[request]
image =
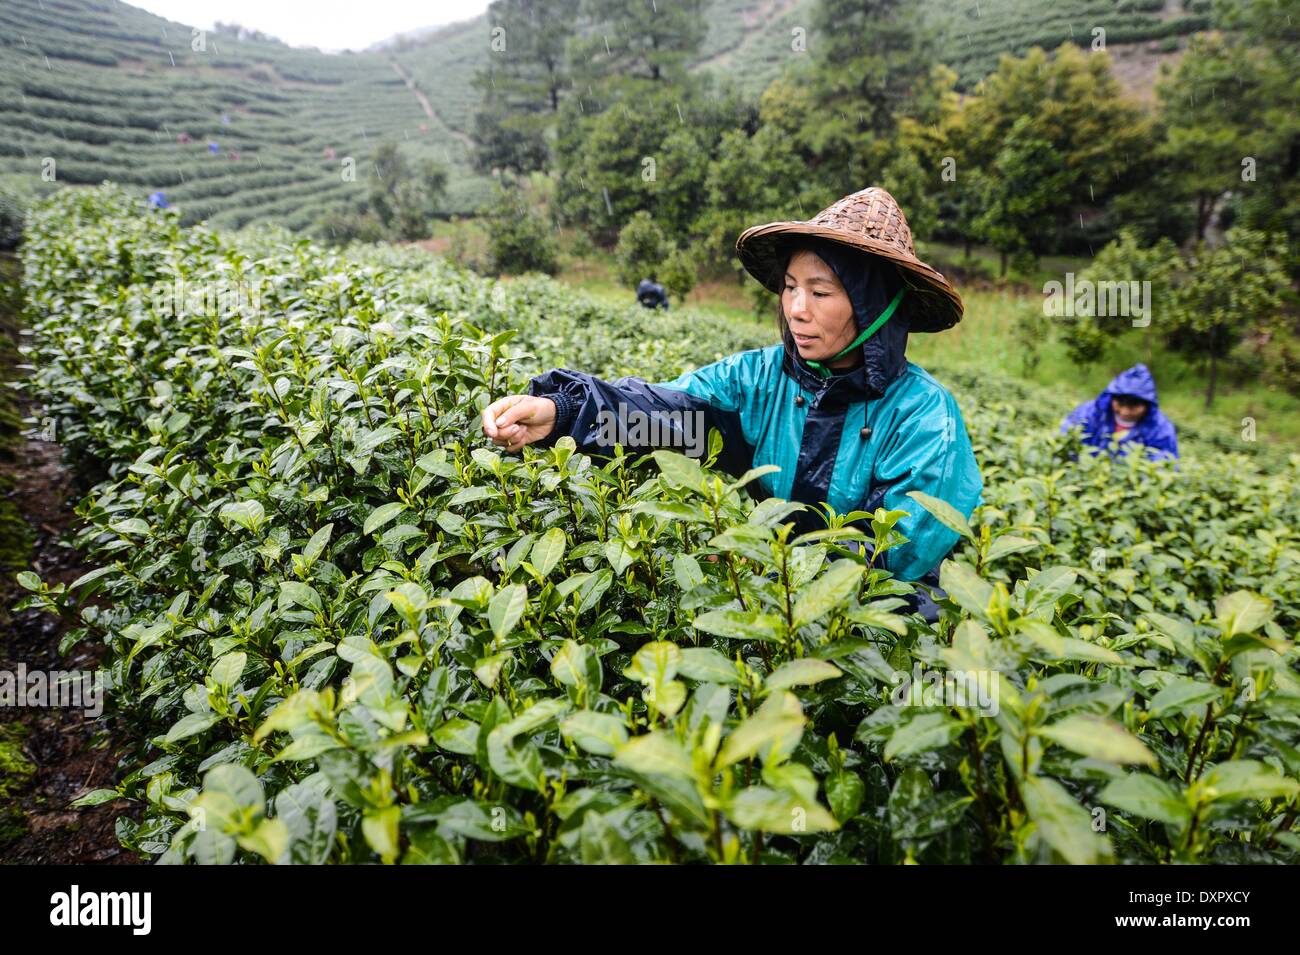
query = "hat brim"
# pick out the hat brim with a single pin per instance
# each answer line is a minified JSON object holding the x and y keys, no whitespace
{"x":935,"y":305}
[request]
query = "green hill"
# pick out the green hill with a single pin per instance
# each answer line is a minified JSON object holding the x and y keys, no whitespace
{"x":109,"y":91}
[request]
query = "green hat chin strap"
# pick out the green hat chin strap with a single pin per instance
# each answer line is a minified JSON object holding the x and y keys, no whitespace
{"x":866,"y":333}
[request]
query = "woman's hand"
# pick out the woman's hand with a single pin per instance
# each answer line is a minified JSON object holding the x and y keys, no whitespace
{"x":516,"y":420}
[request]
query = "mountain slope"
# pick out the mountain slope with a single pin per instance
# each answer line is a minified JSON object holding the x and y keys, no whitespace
{"x":93,"y":90}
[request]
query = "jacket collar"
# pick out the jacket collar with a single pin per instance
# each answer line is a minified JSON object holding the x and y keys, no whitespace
{"x":838,"y":390}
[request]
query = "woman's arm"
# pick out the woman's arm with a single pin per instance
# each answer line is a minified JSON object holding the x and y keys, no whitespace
{"x":640,"y":415}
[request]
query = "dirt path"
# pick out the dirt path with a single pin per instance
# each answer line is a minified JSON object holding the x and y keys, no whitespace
{"x":48,"y":755}
{"x":428,"y":107}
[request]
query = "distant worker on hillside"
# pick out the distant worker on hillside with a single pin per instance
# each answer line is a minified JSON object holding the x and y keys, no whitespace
{"x":157,"y":200}
{"x":214,"y":148}
{"x":1128,"y":411}
{"x":651,"y":294}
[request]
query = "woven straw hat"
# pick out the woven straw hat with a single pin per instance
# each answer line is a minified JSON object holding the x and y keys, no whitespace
{"x":869,"y":221}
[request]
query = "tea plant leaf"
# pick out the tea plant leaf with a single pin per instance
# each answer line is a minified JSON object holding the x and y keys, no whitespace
{"x":1181,"y":696}
{"x":753,"y":474}
{"x":944,"y":513}
{"x":827,"y":592}
{"x":966,"y":588}
{"x":1148,"y":797}
{"x":598,"y":733}
{"x":740,"y":624}
{"x":1098,"y":738}
{"x":96,"y":797}
{"x":227,"y":670}
{"x":457,"y":735}
{"x":917,"y":812}
{"x":547,"y":551}
{"x":1045,"y":588}
{"x":381,"y":516}
{"x":653,"y":754}
{"x":845,"y":792}
{"x":869,"y":616}
{"x":804,"y":672}
{"x":601,"y":843}
{"x":380,"y":828}
{"x":506,"y":608}
{"x":1009,"y":544}
{"x":316,"y":546}
{"x":296,"y":594}
{"x":190,"y":725}
{"x":270,"y":840}
{"x":923,"y":731}
{"x":707,"y":666}
{"x":1075,"y":649}
{"x":1246,"y":779}
{"x":769,"y":810}
{"x":679,"y":470}
{"x":770,"y":733}
{"x":1242,"y":612}
{"x":687,"y":572}
{"x":249,"y":515}
{"x":1063,"y":823}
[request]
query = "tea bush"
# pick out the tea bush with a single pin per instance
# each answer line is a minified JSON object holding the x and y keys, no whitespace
{"x":343,"y":629}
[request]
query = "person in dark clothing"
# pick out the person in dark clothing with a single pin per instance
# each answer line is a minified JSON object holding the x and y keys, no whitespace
{"x":651,"y":294}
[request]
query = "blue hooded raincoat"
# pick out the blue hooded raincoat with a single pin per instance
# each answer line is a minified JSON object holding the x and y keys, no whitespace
{"x":1154,"y":430}
{"x":858,"y":440}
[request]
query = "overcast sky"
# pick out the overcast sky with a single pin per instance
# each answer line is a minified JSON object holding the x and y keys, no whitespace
{"x":328,"y":24}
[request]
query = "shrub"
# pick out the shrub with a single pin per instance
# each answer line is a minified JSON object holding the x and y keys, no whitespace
{"x":640,"y":251}
{"x":520,"y":240}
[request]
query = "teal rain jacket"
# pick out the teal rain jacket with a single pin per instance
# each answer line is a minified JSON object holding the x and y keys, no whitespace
{"x":856,"y":440}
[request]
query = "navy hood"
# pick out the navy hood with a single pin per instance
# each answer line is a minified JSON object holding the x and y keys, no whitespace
{"x":871,"y":284}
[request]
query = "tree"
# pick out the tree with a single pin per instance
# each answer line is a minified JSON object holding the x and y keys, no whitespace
{"x":751,"y":180}
{"x":641,"y":249}
{"x":924,"y":148}
{"x":1125,"y":259}
{"x":1269,"y":199}
{"x":678,"y":274}
{"x":1071,"y":103}
{"x":647,"y":39}
{"x":519,"y":239}
{"x":1225,"y":293}
{"x":867,"y":56}
{"x":1210,"y":113}
{"x":1018,"y":192}
{"x":650,"y":153}
{"x":526,"y":75}
{"x":404,"y":196}
{"x":500,"y":144}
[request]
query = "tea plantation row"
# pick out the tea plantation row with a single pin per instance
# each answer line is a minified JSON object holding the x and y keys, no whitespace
{"x":344,"y":629}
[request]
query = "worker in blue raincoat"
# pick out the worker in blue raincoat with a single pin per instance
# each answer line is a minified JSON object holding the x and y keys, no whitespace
{"x":1127,"y":411}
{"x":835,"y":405}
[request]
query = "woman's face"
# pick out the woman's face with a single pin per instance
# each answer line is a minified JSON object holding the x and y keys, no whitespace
{"x":817,"y":308}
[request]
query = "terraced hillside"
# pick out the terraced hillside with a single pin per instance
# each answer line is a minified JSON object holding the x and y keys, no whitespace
{"x":105,"y":90}
{"x":108,"y":91}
